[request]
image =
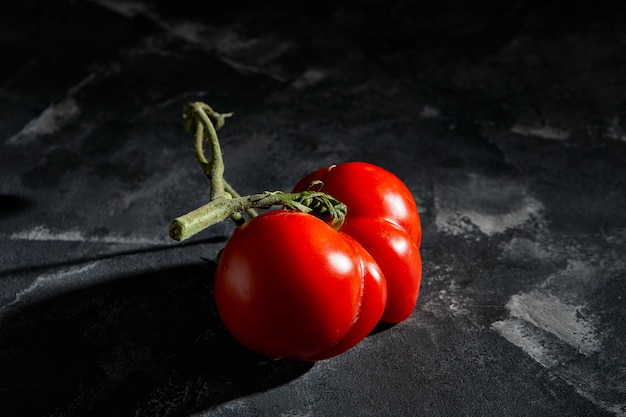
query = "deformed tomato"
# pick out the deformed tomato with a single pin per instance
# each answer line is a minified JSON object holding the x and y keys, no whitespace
{"x":289,"y":285}
{"x":383,"y":217}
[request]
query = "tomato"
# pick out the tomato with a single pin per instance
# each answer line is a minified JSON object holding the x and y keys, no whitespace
{"x":288,"y":285}
{"x":373,"y":301}
{"x":399,"y":259}
{"x":383,"y":217}
{"x":369,"y":191}
{"x":301,"y":286}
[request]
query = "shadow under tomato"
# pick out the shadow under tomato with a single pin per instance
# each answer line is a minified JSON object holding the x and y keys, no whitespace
{"x":145,"y":345}
{"x":381,"y":327}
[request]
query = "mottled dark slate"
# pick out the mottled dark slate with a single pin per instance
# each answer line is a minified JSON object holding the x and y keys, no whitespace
{"x":507,"y":120}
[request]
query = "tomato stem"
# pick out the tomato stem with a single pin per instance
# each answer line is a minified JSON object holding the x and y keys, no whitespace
{"x":203,"y":122}
{"x":223,"y":207}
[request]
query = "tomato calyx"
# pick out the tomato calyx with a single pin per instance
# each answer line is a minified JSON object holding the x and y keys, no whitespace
{"x":320,"y":204}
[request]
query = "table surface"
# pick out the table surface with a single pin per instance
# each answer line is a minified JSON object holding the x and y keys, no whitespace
{"x":507,"y":121}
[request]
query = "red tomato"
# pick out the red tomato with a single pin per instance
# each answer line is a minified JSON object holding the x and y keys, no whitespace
{"x":373,"y":301}
{"x":369,"y":191}
{"x":383,"y":217}
{"x":290,"y":286}
{"x":398,"y":257}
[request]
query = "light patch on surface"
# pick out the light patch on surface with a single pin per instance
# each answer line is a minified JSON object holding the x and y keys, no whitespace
{"x":42,"y":233}
{"x":243,"y":54}
{"x":429,"y":112}
{"x":553,"y":325}
{"x":44,"y":284}
{"x":544,"y":132}
{"x":49,"y":121}
{"x":261,"y":50}
{"x":550,"y":314}
{"x":453,"y":299}
{"x":309,"y":77}
{"x":187,"y":31}
{"x":518,"y":332}
{"x":521,"y":250}
{"x":587,"y":376}
{"x":450,"y":300}
{"x":615,"y":130}
{"x":491,"y":205}
{"x":230,"y":44}
{"x":125,"y":8}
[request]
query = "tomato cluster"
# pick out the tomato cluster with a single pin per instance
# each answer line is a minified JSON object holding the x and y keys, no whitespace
{"x":289,"y":285}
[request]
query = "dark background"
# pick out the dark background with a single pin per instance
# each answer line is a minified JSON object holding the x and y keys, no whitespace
{"x":506,"y":119}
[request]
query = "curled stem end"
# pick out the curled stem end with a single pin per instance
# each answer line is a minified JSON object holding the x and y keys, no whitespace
{"x":177,"y":231}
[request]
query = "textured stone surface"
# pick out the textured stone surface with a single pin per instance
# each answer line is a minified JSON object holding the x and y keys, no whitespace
{"x":507,"y":120}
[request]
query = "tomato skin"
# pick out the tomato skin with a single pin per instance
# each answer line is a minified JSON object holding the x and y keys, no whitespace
{"x":371,"y":308}
{"x":383,"y":217}
{"x":369,"y":191}
{"x":398,"y":257}
{"x":288,"y":285}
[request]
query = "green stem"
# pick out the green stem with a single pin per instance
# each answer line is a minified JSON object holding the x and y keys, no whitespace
{"x":208,"y":120}
{"x":230,"y":190}
{"x":223,"y":207}
{"x":213,"y":169}
{"x":225,"y":202}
